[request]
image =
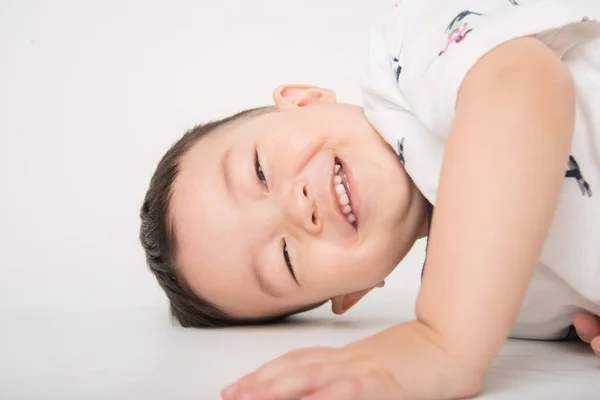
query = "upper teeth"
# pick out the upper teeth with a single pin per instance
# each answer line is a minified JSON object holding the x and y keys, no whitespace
{"x":339,"y":179}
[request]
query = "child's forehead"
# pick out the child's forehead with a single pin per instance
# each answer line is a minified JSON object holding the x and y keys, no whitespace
{"x":222,"y":137}
{"x":211,"y":144}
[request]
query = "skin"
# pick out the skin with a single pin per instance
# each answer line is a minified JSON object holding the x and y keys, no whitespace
{"x":295,"y":202}
{"x":588,"y":329}
{"x":488,"y":256}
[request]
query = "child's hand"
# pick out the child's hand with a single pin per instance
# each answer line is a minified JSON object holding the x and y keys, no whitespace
{"x":401,"y":362}
{"x":588,"y":329}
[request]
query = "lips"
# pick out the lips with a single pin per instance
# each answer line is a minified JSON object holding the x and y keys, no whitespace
{"x":342,"y":191}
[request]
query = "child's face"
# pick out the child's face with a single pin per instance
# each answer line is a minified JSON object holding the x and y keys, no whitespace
{"x":231,"y":221}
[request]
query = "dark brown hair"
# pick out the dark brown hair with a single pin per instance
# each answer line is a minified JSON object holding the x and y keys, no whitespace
{"x":158,"y":239}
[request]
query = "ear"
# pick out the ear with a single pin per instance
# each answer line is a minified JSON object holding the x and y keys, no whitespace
{"x":342,"y":303}
{"x":292,"y":96}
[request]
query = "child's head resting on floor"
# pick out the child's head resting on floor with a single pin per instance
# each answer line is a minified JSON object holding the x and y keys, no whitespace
{"x":243,"y":221}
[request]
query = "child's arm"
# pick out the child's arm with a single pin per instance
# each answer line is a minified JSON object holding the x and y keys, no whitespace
{"x":503,"y":169}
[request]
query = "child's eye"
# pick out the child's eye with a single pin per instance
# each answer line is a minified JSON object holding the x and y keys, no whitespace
{"x":259,"y":172}
{"x":286,"y":257}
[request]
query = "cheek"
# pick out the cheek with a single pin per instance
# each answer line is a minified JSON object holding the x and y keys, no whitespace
{"x":375,"y":259}
{"x":336,"y":270}
{"x":298,"y":138}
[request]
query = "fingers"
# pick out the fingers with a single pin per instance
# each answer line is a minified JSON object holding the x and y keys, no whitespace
{"x":588,"y":330}
{"x":301,"y":382}
{"x":360,"y":387}
{"x":326,"y":382}
{"x":292,"y":375}
{"x":296,"y":358}
{"x":587,"y":326}
{"x":595,"y":343}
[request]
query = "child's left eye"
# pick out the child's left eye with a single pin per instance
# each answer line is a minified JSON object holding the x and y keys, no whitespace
{"x":259,"y":172}
{"x":288,"y":262}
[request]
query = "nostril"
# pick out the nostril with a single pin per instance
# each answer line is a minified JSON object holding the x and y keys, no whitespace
{"x":314,"y":219}
{"x":304,"y":191}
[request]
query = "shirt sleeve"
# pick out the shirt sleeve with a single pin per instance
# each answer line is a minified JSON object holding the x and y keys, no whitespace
{"x":440,"y":41}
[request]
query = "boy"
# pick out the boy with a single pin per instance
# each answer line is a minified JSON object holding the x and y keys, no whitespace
{"x":486,"y":112}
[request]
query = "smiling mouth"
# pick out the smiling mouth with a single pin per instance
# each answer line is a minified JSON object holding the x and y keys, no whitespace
{"x":343,"y":193}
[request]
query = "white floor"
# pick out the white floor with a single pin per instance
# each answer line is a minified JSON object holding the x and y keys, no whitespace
{"x":135,"y":354}
{"x":91,"y":94}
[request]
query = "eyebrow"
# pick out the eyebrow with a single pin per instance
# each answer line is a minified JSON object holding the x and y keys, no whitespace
{"x":226,"y":173}
{"x":262,"y":283}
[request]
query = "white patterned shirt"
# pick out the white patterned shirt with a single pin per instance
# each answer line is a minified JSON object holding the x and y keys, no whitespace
{"x":419,"y":56}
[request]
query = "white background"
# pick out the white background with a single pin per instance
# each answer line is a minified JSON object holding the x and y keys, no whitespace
{"x":91,"y":95}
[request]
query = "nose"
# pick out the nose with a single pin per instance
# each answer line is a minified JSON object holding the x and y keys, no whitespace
{"x":303,"y":211}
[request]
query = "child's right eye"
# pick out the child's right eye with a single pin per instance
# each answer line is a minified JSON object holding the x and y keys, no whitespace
{"x":259,"y":172}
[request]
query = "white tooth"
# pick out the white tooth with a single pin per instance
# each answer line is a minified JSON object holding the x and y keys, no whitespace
{"x":340,"y":189}
{"x":351,"y":218}
{"x":337,"y":167}
{"x":337,"y":179}
{"x":347,"y":209}
{"x":344,"y":200}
